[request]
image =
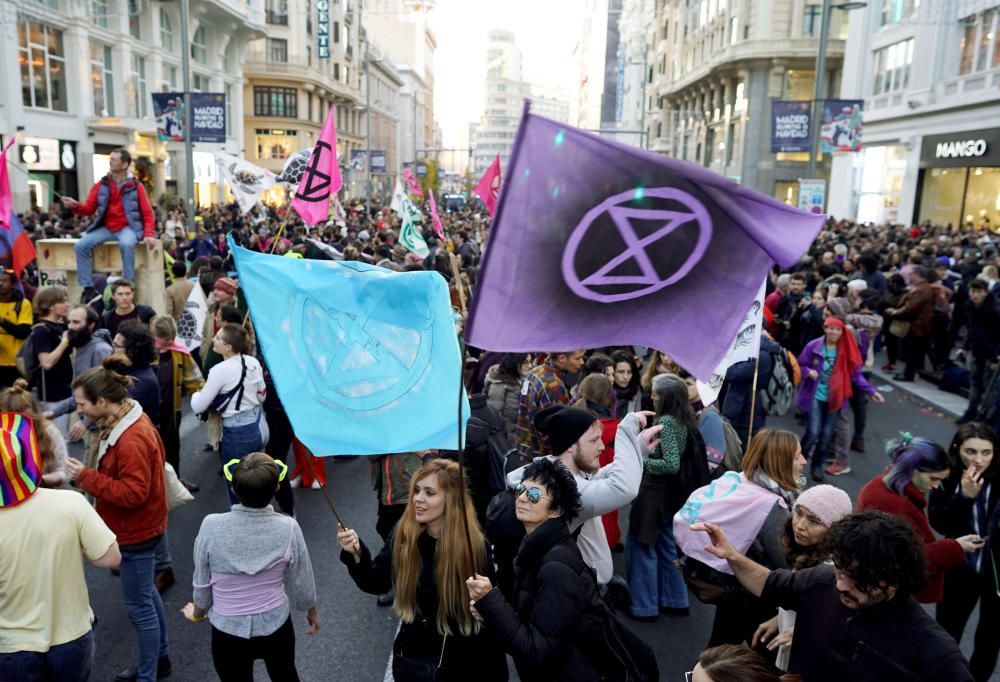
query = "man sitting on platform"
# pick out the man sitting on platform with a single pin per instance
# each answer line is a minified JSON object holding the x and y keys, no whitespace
{"x":121,"y":211}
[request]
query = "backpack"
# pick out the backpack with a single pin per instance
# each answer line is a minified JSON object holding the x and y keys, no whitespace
{"x":27,"y":359}
{"x":730,"y":460}
{"x":780,"y":390}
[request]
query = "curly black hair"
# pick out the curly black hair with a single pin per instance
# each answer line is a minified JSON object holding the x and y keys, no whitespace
{"x":563,"y":493}
{"x":877,"y":549}
{"x":139,"y":346}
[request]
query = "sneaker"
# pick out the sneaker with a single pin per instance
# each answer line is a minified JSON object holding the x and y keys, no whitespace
{"x":316,"y":485}
{"x":838,"y":469}
{"x":295,"y":482}
{"x":163,"y":669}
{"x":89,"y":294}
{"x":901,"y":377}
{"x":164,"y":580}
{"x":858,"y":444}
{"x":386,"y":599}
{"x":817,"y":475}
{"x":888,"y":367}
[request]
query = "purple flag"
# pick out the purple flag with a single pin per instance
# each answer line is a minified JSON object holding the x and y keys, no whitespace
{"x":596,"y":243}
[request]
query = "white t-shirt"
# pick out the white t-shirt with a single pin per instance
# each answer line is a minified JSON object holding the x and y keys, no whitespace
{"x":224,"y":377}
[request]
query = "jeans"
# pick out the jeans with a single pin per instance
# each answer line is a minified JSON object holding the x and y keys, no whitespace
{"x":819,"y":432}
{"x":843,"y":432}
{"x":237,"y":443}
{"x":978,"y":380}
{"x":233,"y":656}
{"x":914,"y":350}
{"x":126,"y":238}
{"x":162,"y":560}
{"x":653,"y":578}
{"x":145,"y":610}
{"x":69,"y":662}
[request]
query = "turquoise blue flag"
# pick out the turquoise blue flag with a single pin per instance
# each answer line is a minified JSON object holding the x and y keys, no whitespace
{"x":365,"y":360}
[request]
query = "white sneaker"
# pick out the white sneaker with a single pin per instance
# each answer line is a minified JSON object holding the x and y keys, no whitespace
{"x":295,"y":482}
{"x":316,"y":485}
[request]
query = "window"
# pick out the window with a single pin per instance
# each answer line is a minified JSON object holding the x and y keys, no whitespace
{"x":43,"y":68}
{"x":892,"y":67}
{"x":170,"y":71}
{"x":199,"y":52}
{"x":980,"y":44}
{"x":275,"y":144}
{"x":133,"y":26}
{"x":199,"y":83}
{"x":99,"y":13}
{"x":277,"y":12}
{"x":138,"y":84}
{"x":166,"y":31}
{"x":811,"y":20}
{"x":227,"y":57}
{"x":277,"y":50}
{"x":101,"y":79}
{"x":336,"y":31}
{"x":281,"y":102}
{"x":896,"y":11}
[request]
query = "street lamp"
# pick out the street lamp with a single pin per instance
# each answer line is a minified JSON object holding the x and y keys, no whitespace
{"x":824,"y":30}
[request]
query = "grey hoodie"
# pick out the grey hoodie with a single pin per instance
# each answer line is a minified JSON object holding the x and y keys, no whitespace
{"x":84,"y":358}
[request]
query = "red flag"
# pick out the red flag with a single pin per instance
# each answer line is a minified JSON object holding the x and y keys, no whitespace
{"x":438,"y":230}
{"x":6,"y":200}
{"x":488,"y":188}
{"x":412,"y":183}
{"x":16,"y":247}
{"x":321,"y":178}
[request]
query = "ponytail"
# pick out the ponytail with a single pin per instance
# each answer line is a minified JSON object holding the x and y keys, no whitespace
{"x":101,"y":382}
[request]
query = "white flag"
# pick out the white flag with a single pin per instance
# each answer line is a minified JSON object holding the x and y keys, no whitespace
{"x":333,"y":253}
{"x":398,"y":197}
{"x":192,"y":321}
{"x":246,"y":181}
{"x":746,"y":346}
{"x":411,"y":238}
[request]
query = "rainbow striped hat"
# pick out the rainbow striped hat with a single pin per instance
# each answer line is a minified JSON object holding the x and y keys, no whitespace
{"x":20,"y":459}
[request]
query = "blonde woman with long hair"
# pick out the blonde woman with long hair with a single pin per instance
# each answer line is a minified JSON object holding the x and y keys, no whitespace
{"x":18,"y":398}
{"x":426,"y":562}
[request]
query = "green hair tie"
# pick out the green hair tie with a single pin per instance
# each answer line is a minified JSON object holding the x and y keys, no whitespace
{"x":905,"y":437}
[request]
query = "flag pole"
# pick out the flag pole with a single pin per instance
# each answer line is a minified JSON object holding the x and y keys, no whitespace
{"x":461,"y":290}
{"x":753,"y":399}
{"x":322,"y":488}
{"x":461,"y":458}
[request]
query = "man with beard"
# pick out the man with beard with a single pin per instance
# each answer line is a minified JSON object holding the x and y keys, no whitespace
{"x":90,"y":346}
{"x":15,"y":325}
{"x":576,"y":436}
{"x":857,"y":619}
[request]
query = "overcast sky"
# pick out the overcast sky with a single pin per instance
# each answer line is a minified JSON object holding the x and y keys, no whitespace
{"x":547,"y":32}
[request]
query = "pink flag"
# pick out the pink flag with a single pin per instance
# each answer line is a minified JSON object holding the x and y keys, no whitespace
{"x":438,"y":230}
{"x":488,"y":188}
{"x":6,"y":200}
{"x":321,"y":178}
{"x":412,"y":183}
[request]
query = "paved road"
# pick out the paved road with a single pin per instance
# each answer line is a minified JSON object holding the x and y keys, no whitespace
{"x":355,"y":639}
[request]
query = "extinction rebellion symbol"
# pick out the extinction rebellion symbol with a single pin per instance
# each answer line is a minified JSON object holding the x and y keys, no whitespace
{"x":317,"y":183}
{"x":594,"y":286}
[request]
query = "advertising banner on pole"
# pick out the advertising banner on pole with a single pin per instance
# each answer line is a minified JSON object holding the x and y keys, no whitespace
{"x":790,"y":126}
{"x":168,"y":109}
{"x":378,"y":161}
{"x":359,"y":160}
{"x":208,"y":124}
{"x":842,"y":125}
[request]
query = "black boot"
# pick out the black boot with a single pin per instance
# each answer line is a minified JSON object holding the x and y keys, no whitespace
{"x":163,"y":669}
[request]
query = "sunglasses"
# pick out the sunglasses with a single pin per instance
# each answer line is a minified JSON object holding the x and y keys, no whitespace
{"x":227,"y":469}
{"x":534,"y":494}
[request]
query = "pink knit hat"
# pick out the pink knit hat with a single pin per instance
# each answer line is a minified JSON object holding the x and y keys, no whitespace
{"x":828,"y":503}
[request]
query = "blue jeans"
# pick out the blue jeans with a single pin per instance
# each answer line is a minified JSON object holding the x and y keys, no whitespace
{"x":819,"y":432}
{"x":238,"y":442}
{"x":69,"y":662}
{"x":145,"y":610}
{"x":126,"y":238}
{"x":653,"y":578}
{"x":162,"y":560}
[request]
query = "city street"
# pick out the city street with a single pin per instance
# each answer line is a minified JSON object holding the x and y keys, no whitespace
{"x":356,"y":636}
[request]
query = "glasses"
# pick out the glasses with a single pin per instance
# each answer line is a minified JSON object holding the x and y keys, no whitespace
{"x":534,"y":493}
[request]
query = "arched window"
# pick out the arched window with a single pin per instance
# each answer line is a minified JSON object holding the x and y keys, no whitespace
{"x":199,"y":51}
{"x":166,"y":31}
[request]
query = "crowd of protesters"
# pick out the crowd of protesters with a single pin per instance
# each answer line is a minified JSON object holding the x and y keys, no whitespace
{"x":522,"y":565}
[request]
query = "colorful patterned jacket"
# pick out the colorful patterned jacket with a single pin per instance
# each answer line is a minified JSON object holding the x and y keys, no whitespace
{"x":543,"y":386}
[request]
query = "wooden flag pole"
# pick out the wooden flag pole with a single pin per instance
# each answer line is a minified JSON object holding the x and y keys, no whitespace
{"x":753,"y":399}
{"x":457,"y":278}
{"x":322,"y":488}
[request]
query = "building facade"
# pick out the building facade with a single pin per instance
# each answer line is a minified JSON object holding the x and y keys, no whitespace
{"x":929,"y":73}
{"x":637,"y":31}
{"x":78,"y":78}
{"x":714,"y":69}
{"x":383,"y":85}
{"x":295,"y":76}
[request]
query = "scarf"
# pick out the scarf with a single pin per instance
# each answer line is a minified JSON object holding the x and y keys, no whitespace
{"x":768,"y":483}
{"x":173,"y":345}
{"x":848,"y":362}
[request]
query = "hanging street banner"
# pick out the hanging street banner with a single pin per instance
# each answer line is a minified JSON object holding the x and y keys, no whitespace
{"x":359,"y":160}
{"x":842,"y":125}
{"x":208,"y":124}
{"x":790,"y":126}
{"x":378,"y":161}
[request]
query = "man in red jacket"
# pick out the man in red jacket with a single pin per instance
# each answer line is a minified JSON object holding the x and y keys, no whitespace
{"x":121,"y":211}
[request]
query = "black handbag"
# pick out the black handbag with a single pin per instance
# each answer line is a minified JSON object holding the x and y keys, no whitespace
{"x":416,"y":669}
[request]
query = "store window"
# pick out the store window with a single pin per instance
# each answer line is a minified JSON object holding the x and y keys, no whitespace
{"x":892,"y":67}
{"x":941,"y":198}
{"x":281,"y":102}
{"x":799,"y":84}
{"x":787,"y":192}
{"x":275,"y":144}
{"x":102,"y":79}
{"x":43,"y":68}
{"x":882,"y":171}
{"x":166,"y":31}
{"x":982,"y":198}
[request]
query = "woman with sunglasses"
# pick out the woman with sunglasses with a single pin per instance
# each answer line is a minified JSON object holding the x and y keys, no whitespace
{"x":918,"y":467}
{"x":248,"y":589}
{"x":967,"y":503}
{"x":553,"y":596}
{"x":425,"y":562}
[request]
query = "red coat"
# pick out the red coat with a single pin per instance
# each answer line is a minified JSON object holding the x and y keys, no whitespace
{"x":128,"y":484}
{"x":609,"y":429}
{"x":941,"y":555}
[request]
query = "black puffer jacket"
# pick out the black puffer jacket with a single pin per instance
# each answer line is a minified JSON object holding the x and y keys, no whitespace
{"x":557,"y":609}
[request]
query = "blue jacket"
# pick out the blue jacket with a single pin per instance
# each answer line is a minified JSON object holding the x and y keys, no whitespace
{"x":739,"y":389}
{"x":130,"y":202}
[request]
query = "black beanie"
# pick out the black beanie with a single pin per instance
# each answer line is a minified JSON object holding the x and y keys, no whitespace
{"x":563,"y":426}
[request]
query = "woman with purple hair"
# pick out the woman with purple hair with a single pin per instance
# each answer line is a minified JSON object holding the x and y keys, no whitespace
{"x":918,"y":466}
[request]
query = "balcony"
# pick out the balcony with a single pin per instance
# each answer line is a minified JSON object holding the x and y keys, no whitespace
{"x":966,"y":90}
{"x":248,"y":14}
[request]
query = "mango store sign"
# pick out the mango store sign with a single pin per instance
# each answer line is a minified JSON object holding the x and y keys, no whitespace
{"x":961,"y":149}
